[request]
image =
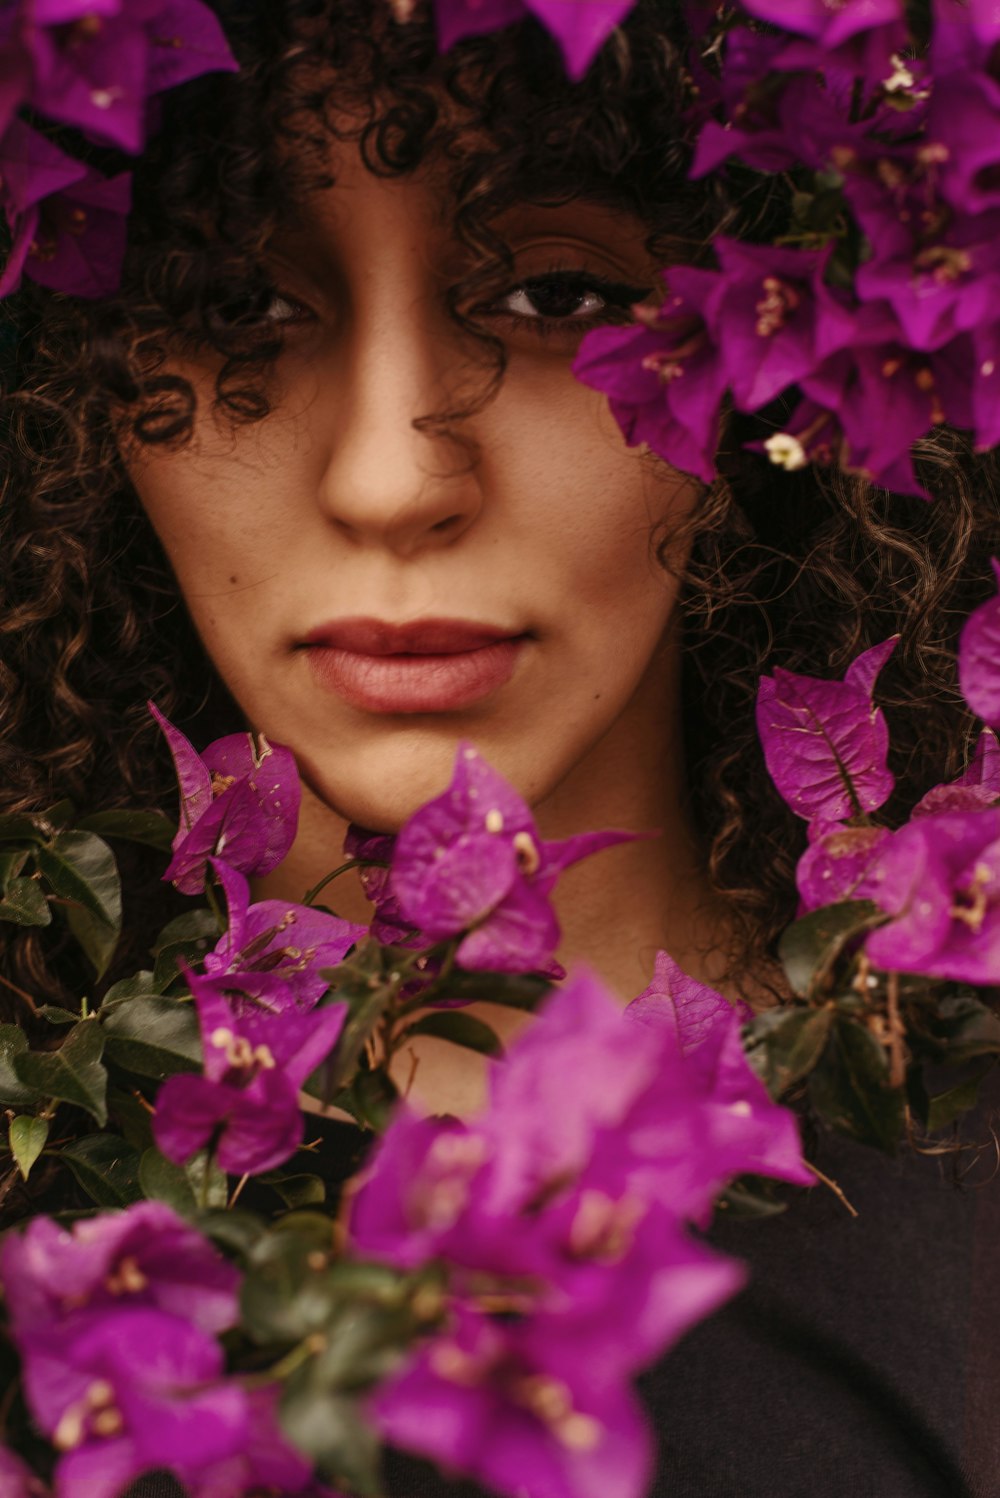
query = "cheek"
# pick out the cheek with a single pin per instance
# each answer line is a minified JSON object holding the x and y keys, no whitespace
{"x":597,"y":509}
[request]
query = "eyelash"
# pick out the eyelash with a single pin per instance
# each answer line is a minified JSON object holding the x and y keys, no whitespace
{"x":618,"y":298}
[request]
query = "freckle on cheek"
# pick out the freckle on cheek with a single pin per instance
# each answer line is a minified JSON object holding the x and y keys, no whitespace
{"x":234,"y":579}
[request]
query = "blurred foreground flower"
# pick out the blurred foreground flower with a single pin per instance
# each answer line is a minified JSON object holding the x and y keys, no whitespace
{"x":564,"y":1234}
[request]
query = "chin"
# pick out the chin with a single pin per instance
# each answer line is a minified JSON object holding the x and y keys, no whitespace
{"x":381,"y":785}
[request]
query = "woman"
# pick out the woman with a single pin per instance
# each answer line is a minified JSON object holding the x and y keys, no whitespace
{"x":323,"y":468}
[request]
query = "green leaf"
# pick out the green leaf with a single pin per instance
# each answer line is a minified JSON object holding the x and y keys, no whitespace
{"x":153,"y":1036}
{"x":968,"y":1028}
{"x":190,"y":925}
{"x":24,"y":903}
{"x":13,"y":1092}
{"x":372,"y":1096}
{"x":36,"y":828}
{"x":849,"y":1088}
{"x":301,"y":1190}
{"x":27,"y":1140}
{"x":163,"y":1181}
{"x":73,"y":1074}
{"x":460,"y":1028}
{"x":54,"y":1014}
{"x":169,"y":958}
{"x":810,"y":948}
{"x":107,"y":1168}
{"x":751,"y":1197}
{"x":138,"y":986}
{"x":11,"y":864}
{"x":945,"y":1107}
{"x":19,"y":829}
{"x":211,"y":1193}
{"x":81,"y":867}
{"x":131,"y":1117}
{"x":784,"y":1044}
{"x":150,"y":828}
{"x":513,"y":990}
{"x":237,"y":1230}
{"x":288,"y":1292}
{"x":95,"y":936}
{"x":332,"y":1431}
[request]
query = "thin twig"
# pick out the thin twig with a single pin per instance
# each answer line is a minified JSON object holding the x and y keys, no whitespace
{"x":20,"y":993}
{"x":897,"y":1052}
{"x":832,"y":1185}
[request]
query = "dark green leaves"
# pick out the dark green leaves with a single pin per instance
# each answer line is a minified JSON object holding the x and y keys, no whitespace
{"x":81,"y":871}
{"x":106,"y":1167}
{"x":153,"y":1036}
{"x":809,"y":949}
{"x":13,"y":1092}
{"x":460,"y":1028}
{"x":24,"y":903}
{"x":27,"y":1138}
{"x":783,"y":1045}
{"x":850,"y":1091}
{"x":73,"y":1074}
{"x":150,"y":828}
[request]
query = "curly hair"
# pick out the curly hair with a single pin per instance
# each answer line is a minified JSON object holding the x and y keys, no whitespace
{"x":800,"y":570}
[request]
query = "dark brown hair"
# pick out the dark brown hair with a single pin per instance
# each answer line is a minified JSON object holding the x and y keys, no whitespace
{"x":801,"y":570}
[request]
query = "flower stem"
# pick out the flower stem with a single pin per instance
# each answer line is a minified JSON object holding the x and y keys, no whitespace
{"x":310,"y":895}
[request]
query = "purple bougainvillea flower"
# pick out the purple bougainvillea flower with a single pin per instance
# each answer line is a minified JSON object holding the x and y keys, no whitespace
{"x":979,"y":658}
{"x":772,"y":319}
{"x":964,"y":108}
{"x":129,"y":1391}
{"x":374,"y":851}
{"x":266,"y":1463}
{"x":497,"y":1403}
{"x":977,"y":787}
{"x":31,"y":171}
{"x":143,"y":1256}
{"x":840,"y":864}
{"x":74,"y":241}
{"x":581,"y":27}
{"x":238,"y":802}
{"x":472,"y":860}
{"x":276,"y":948}
{"x":574,"y":1218}
{"x":640,"y":1121}
{"x":674,"y":999}
{"x":939,"y":879}
{"x":96,"y":65}
{"x":860,"y":36}
{"x":825,"y":742}
{"x":255,"y":1062}
{"x":665,"y":381}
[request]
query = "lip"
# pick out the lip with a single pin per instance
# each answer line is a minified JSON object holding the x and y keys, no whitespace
{"x":425,"y":666}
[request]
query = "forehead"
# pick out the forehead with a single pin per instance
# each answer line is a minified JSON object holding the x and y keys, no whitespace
{"x":425,"y":202}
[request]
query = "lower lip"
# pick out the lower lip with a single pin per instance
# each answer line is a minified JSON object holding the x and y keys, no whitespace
{"x":416,"y":683}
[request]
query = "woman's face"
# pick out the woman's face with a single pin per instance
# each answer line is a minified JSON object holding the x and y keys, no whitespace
{"x":372,"y":592}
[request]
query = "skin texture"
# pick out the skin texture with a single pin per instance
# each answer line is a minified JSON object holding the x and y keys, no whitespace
{"x":337,"y":506}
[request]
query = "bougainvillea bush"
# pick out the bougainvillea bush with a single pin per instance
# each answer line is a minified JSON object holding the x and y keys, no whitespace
{"x":213,"y":1299}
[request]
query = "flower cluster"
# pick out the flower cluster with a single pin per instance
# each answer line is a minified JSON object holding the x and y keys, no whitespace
{"x":471,"y":865}
{"x":564,"y":1233}
{"x":937,"y":876}
{"x":95,"y":66}
{"x":116,"y":1321}
{"x":873,"y":319}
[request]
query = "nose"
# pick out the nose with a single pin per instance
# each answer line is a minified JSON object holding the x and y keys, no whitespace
{"x":388,"y":482}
